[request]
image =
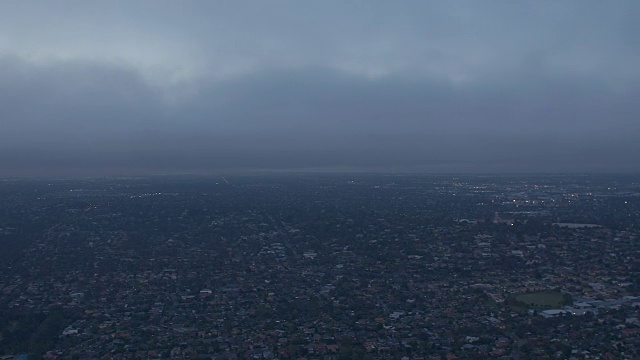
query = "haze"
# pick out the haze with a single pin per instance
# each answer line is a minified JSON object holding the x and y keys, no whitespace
{"x":146,"y":87}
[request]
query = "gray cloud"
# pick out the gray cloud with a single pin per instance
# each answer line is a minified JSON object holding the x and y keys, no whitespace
{"x":100,"y":88}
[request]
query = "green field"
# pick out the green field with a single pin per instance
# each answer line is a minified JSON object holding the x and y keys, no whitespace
{"x":547,"y":299}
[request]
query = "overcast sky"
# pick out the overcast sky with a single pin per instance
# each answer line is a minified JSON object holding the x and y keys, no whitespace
{"x":136,"y":87}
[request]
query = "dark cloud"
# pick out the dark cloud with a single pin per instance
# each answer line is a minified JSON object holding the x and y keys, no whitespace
{"x":77,"y":116}
{"x":419,"y":86}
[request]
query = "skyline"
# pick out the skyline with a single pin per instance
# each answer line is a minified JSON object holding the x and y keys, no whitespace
{"x":117,"y":88}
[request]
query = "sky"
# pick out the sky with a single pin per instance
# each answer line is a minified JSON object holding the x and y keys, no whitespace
{"x":161,"y":87}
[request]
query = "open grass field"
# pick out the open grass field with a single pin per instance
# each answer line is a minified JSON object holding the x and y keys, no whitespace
{"x":547,"y":299}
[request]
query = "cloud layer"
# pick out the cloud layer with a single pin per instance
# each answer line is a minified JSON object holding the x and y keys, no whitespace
{"x":162,"y":87}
